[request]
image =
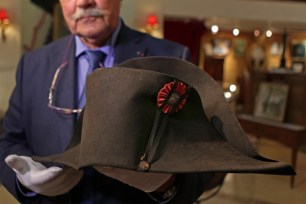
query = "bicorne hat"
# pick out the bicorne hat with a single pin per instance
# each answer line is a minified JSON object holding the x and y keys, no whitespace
{"x":161,"y":115}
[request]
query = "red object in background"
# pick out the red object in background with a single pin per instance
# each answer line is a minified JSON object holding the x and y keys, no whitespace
{"x":152,"y":20}
{"x":4,"y":21}
{"x":3,"y":14}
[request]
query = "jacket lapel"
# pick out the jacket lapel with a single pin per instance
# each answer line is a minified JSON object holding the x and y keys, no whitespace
{"x":128,"y":45}
{"x":65,"y":92}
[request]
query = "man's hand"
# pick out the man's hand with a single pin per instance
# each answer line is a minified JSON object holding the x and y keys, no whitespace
{"x":36,"y":177}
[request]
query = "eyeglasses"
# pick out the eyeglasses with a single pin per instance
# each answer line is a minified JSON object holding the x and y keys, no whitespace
{"x":52,"y":90}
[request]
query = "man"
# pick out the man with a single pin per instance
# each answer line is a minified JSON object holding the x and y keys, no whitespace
{"x":48,"y":98}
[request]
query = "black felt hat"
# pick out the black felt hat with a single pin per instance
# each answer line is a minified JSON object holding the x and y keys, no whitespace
{"x":161,"y":115}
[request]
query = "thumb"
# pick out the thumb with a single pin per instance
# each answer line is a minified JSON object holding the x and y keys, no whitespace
{"x":18,"y":163}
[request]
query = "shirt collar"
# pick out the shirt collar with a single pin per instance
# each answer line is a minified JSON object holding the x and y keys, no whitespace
{"x":109,"y":45}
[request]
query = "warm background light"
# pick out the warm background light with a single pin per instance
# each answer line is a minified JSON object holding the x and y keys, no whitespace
{"x":256,"y":33}
{"x":268,"y":33}
{"x":236,"y":32}
{"x":4,"y":22}
{"x":214,"y":29}
{"x":152,"y":21}
{"x":3,"y":16}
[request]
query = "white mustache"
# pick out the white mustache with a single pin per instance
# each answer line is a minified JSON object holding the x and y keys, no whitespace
{"x":94,"y":12}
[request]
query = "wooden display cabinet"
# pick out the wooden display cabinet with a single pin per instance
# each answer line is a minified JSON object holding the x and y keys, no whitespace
{"x":292,"y":130}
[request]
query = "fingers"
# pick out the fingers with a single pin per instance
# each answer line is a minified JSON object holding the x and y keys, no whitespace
{"x":36,"y":166}
{"x":18,"y":163}
{"x":45,"y":176}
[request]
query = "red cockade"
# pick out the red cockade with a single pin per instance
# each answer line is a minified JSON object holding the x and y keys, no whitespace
{"x":174,"y":102}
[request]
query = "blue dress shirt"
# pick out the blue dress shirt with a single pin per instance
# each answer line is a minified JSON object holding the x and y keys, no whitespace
{"x":83,"y":65}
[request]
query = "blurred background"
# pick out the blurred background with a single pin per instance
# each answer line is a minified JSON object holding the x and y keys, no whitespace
{"x":240,"y":43}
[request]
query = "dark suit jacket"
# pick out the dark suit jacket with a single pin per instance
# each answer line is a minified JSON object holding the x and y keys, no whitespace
{"x":31,"y":128}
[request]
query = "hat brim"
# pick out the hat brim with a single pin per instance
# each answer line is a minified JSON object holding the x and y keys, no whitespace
{"x":146,"y":181}
{"x":228,"y":160}
{"x":209,"y":156}
{"x":163,"y":168}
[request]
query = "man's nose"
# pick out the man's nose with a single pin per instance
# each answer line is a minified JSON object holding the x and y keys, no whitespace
{"x":85,"y":3}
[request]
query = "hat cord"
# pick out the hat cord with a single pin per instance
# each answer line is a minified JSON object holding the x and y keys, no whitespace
{"x":156,"y":124}
{"x":157,"y":140}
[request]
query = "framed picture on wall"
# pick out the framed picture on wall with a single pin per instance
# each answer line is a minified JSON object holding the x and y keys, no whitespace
{"x":298,"y":49}
{"x":271,"y":100}
{"x":240,"y":46}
